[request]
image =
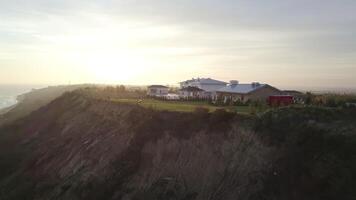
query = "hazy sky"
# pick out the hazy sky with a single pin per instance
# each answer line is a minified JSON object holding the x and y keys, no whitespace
{"x":287,"y":43}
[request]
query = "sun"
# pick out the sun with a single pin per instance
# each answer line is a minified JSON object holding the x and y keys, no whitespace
{"x":111,"y":67}
{"x":115,"y":66}
{"x":114,"y":52}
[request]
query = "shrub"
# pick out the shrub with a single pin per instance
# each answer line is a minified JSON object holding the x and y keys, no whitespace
{"x":220,"y":119}
{"x":239,"y":103}
{"x":201,"y":111}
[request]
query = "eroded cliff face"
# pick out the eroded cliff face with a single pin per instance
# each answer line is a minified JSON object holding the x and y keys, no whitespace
{"x":82,"y":148}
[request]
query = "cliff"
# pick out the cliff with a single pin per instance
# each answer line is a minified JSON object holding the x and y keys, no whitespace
{"x":34,"y":100}
{"x":78,"y":147}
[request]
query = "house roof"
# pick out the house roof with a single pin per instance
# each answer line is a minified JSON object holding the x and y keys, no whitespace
{"x":191,"y":89}
{"x":241,"y":88}
{"x":205,"y":81}
{"x":157,"y":86}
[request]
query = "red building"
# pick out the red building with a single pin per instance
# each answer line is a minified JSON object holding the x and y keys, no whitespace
{"x":280,"y":100}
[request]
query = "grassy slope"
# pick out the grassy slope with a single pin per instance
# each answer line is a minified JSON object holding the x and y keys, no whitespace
{"x":181,"y":106}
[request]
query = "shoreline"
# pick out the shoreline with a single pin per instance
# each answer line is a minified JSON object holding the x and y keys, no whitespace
{"x":7,"y":109}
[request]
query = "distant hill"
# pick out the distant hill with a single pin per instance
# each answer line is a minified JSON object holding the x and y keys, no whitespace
{"x":78,"y":147}
{"x":33,"y":100}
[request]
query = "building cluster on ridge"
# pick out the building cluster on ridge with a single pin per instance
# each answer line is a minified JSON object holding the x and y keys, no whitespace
{"x":207,"y":88}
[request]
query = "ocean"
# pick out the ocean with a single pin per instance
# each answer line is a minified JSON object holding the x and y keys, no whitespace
{"x":9,"y":93}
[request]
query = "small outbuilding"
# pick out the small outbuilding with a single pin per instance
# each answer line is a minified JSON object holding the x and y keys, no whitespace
{"x":157,"y":90}
{"x":280,"y":100}
{"x":298,"y":97}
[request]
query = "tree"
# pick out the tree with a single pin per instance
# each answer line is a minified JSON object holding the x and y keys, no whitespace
{"x":309,"y":98}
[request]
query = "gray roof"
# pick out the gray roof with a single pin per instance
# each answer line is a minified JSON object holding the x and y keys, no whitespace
{"x":191,"y":89}
{"x":205,"y":81}
{"x":157,"y":86}
{"x":241,"y":88}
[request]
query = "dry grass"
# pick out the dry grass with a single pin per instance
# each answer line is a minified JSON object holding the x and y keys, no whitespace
{"x":181,"y":106}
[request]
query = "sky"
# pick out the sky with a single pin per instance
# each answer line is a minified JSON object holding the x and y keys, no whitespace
{"x":286,"y":43}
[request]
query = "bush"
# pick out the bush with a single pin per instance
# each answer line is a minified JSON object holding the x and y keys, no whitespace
{"x":239,"y":103}
{"x":220,"y":119}
{"x":315,"y":154}
{"x":201,"y":111}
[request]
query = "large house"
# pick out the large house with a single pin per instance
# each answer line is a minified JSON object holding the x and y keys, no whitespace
{"x":214,"y":89}
{"x":208,"y":85}
{"x":191,"y":92}
{"x":157,"y":90}
{"x":255,"y":91}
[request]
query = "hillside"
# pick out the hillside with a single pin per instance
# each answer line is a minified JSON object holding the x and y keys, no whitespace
{"x":79,"y":147}
{"x":34,"y":100}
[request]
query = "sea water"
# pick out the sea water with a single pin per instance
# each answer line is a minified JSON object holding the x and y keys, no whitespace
{"x":9,"y":93}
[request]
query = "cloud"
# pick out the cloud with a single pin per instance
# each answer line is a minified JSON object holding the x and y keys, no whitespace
{"x":227,"y":38}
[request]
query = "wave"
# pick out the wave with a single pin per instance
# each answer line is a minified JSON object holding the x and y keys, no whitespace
{"x":7,"y":101}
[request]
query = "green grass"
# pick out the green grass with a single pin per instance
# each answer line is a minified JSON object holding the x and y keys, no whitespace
{"x":182,"y":106}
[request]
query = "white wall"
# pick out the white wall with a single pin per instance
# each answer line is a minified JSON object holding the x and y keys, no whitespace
{"x":157,"y":91}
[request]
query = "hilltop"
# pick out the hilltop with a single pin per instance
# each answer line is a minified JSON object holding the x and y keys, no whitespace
{"x":80,"y":147}
{"x":35,"y":99}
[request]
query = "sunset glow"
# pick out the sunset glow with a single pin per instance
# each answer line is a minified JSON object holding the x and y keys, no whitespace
{"x":123,"y":42}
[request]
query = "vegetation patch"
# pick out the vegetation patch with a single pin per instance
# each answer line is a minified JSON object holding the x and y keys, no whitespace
{"x":182,"y":106}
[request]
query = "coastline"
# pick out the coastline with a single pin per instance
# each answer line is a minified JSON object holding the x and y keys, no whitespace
{"x":14,"y":91}
{"x":31,"y":100}
{"x":19,"y":99}
{"x":7,"y":109}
